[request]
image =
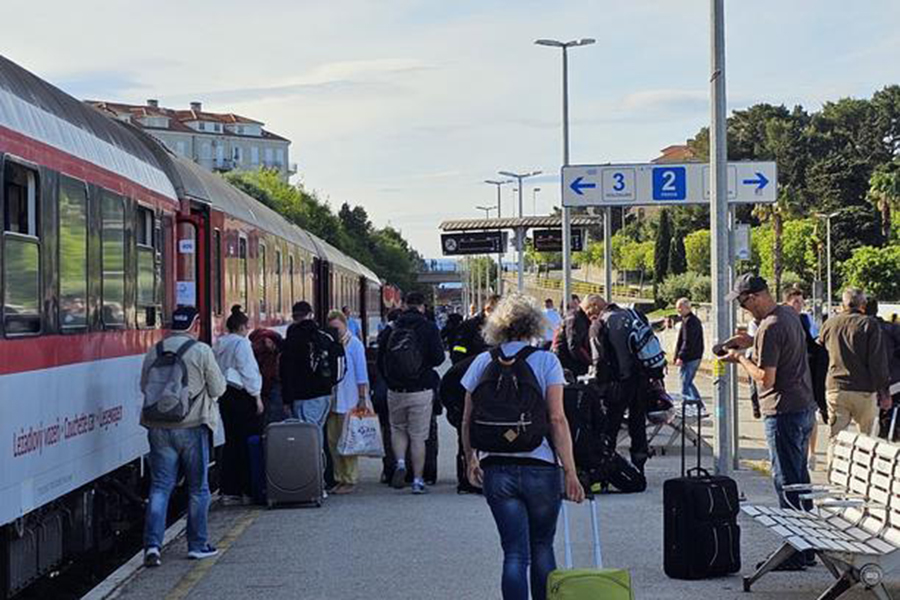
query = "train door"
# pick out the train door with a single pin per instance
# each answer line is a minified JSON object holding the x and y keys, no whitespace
{"x":192,"y":286}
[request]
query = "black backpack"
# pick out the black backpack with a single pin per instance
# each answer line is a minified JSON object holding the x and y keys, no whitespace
{"x":404,"y":362}
{"x":326,"y":360}
{"x":509,"y":412}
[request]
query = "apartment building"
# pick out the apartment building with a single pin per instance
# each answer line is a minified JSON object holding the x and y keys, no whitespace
{"x":216,"y":141}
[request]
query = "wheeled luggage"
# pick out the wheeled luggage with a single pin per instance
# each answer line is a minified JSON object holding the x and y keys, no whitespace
{"x":295,"y":463}
{"x":587,"y":584}
{"x":701,"y":536}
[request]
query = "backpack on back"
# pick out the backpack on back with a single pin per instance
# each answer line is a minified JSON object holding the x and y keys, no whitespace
{"x":405,"y":362}
{"x":645,"y":345}
{"x":509,"y":412}
{"x":167,"y":398}
{"x":326,"y":363}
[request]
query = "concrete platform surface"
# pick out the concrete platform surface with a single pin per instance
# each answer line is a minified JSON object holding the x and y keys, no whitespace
{"x":385,"y":544}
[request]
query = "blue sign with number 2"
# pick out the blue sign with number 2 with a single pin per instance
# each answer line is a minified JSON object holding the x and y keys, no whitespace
{"x":669,"y":183}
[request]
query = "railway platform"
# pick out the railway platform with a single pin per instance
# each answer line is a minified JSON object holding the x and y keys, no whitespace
{"x":388,"y":544}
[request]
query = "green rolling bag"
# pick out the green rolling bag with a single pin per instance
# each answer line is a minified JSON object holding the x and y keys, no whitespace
{"x":588,"y":584}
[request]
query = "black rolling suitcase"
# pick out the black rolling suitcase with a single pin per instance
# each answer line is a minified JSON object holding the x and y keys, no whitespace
{"x":701,"y":536}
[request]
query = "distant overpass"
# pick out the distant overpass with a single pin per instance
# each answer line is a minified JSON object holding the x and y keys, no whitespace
{"x":436,"y":272}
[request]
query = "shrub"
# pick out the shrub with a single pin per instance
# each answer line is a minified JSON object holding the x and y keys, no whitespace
{"x":697,"y":251}
{"x":874,"y":270}
{"x":688,"y":285}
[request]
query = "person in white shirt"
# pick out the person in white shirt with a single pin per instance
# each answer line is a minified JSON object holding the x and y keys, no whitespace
{"x":350,"y":393}
{"x":241,"y":406}
{"x":554,"y":320}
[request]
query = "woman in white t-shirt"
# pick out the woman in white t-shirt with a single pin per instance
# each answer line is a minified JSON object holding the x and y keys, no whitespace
{"x":524,"y":489}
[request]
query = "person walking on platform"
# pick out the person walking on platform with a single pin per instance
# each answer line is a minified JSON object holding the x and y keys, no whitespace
{"x":818,"y":364}
{"x":351,"y":392}
{"x":858,"y":375}
{"x":183,"y":370}
{"x":309,"y":368}
{"x":890,"y":336}
{"x":379,"y":397}
{"x":408,"y":356}
{"x":554,"y":320}
{"x":353,"y":324}
{"x":572,"y":345}
{"x":241,"y":406}
{"x":781,"y":370}
{"x":267,"y":350}
{"x":689,"y":350}
{"x":469,"y":340}
{"x":523,"y":487}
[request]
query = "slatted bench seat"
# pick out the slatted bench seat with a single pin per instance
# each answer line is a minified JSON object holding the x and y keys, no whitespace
{"x":855,"y":526}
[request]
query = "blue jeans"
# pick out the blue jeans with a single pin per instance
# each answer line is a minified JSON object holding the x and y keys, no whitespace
{"x":170,"y":448}
{"x":525,"y":502}
{"x":788,"y":438}
{"x":688,"y":371}
{"x":314,"y":410}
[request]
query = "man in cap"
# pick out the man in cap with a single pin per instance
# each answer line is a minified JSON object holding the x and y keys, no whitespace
{"x":780,"y":368}
{"x":180,"y":440}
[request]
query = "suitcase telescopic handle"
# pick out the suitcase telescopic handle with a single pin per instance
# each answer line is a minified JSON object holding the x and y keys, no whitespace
{"x":595,"y":534}
{"x":699,"y":468}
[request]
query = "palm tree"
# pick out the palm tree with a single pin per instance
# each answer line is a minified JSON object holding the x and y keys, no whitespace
{"x":884,"y":193}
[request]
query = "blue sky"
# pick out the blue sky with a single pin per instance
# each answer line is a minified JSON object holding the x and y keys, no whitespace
{"x":405,"y":106}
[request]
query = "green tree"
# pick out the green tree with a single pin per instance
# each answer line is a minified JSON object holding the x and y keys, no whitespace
{"x":662,"y":248}
{"x":677,"y":260}
{"x":697,"y":252}
{"x":874,"y":270}
{"x":884,"y":192}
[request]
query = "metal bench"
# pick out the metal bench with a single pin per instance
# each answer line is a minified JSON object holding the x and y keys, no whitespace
{"x":854,"y":528}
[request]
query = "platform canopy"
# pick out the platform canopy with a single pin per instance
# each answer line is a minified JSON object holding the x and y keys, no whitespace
{"x":517,"y":223}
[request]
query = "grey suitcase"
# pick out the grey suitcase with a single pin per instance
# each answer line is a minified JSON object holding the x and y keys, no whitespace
{"x":295,"y":464}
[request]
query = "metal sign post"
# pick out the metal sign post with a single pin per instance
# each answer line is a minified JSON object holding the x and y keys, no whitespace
{"x":719,"y":197}
{"x":607,"y":253}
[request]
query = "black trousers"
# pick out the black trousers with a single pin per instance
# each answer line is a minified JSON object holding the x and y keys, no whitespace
{"x":240,"y":421}
{"x":630,"y":395}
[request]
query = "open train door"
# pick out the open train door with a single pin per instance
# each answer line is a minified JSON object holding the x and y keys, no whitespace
{"x":192,"y":266}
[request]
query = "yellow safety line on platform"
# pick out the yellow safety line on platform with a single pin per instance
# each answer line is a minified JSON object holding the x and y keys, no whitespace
{"x":196,"y":575}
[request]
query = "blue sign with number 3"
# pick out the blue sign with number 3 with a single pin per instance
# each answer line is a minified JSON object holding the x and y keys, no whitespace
{"x":669,"y":183}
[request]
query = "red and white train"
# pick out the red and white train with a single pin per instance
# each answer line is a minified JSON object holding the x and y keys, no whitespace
{"x":104,"y":232}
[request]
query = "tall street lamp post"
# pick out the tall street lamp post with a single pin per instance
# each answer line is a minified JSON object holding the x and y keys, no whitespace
{"x":499,"y":184}
{"x":830,"y":291}
{"x":520,"y":231}
{"x":566,"y":228}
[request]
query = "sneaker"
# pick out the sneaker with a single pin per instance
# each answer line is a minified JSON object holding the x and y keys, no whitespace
{"x":418,"y":488}
{"x":151,"y":557}
{"x":206,"y":552}
{"x":398,"y":481}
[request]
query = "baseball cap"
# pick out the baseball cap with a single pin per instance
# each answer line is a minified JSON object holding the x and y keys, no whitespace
{"x":748,"y":283}
{"x":183,"y":317}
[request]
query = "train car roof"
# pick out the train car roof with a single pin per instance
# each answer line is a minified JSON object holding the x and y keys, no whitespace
{"x":333,"y":255}
{"x":36,"y":109}
{"x":194,"y":182}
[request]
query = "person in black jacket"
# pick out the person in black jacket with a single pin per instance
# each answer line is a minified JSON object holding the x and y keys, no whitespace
{"x":306,"y":393}
{"x":408,"y":356}
{"x":689,"y":350}
{"x":890,"y":335}
{"x":468,"y":341}
{"x":572,"y":345}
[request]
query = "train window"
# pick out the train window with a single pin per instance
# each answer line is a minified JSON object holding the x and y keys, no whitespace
{"x":217,"y":271}
{"x":22,"y":250}
{"x":146,"y":258}
{"x":278,"y":286}
{"x":73,"y":235}
{"x":291,"y":278}
{"x":113,"y":259}
{"x":262,"y":282}
{"x":242,"y":272}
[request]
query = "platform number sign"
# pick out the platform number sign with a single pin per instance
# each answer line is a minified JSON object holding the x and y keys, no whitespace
{"x":669,"y":183}
{"x":618,"y":185}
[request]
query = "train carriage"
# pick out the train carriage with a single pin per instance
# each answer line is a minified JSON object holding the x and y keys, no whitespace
{"x":104,"y":233}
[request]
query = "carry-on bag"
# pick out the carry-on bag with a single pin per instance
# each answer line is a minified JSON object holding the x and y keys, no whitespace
{"x":701,"y":536}
{"x":295,"y":464}
{"x":587,"y":584}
